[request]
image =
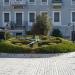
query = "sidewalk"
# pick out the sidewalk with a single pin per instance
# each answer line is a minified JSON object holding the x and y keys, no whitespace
{"x":50,"y":64}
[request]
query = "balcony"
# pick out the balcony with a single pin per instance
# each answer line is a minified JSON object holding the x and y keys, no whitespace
{"x":18,"y":4}
{"x":57,"y":4}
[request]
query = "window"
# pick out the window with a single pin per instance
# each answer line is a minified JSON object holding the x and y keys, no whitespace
{"x":19,"y":18}
{"x":56,"y":1}
{"x":73,"y":1}
{"x":6,"y":1}
{"x":56,"y":17}
{"x":6,"y":17}
{"x":19,"y":34}
{"x":18,"y":0}
{"x":73,"y":16}
{"x":31,"y":2}
{"x":44,"y":2}
{"x":31,"y":17}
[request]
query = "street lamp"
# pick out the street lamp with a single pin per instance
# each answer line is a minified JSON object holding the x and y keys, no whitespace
{"x":5,"y":30}
{"x":72,"y":32}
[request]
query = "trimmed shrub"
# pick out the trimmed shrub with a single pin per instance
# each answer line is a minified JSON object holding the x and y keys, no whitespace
{"x":29,"y":32}
{"x":8,"y":35}
{"x":43,"y":43}
{"x":14,"y":41}
{"x":44,"y":37}
{"x":7,"y":47}
{"x":52,"y":45}
{"x":56,"y":33}
{"x":3,"y":34}
{"x":61,"y":48}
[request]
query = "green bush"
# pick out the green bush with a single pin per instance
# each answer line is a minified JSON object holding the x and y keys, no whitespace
{"x":65,"y":46}
{"x":43,"y":43}
{"x":60,"y":48}
{"x":44,"y":37}
{"x":7,"y":34}
{"x":48,"y":40}
{"x":7,"y":47}
{"x":50,"y":45}
{"x":29,"y":32}
{"x":56,"y":33}
{"x":14,"y":41}
{"x":57,"y":40}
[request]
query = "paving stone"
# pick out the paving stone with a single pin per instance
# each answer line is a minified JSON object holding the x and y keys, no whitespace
{"x":62,"y":64}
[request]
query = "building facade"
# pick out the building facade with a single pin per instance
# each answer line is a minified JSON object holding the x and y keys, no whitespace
{"x":20,"y":14}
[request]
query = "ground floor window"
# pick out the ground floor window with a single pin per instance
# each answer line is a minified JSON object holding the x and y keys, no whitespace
{"x":6,"y":17}
{"x":44,"y":2}
{"x":18,"y":0}
{"x":32,"y":17}
{"x":56,"y":17}
{"x":6,"y":0}
{"x":19,"y":34}
{"x":32,"y":2}
{"x":19,"y":18}
{"x":73,"y":2}
{"x":73,"y":16}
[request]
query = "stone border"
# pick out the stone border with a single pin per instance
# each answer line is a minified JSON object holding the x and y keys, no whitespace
{"x":7,"y":55}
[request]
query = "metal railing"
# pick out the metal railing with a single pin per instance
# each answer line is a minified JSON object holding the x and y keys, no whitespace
{"x":16,"y":27}
{"x":18,"y":2}
{"x":56,"y":1}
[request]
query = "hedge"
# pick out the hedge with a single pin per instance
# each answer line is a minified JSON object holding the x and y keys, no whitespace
{"x":45,"y":47}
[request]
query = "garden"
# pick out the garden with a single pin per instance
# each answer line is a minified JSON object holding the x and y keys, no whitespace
{"x":46,"y":44}
{"x":39,"y":40}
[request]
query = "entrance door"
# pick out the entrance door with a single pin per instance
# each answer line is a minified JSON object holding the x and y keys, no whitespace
{"x":19,"y":19}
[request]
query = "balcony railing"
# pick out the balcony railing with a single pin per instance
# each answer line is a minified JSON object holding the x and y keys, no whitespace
{"x":57,"y":4}
{"x":14,"y":26}
{"x":17,"y":27}
{"x":56,"y":1}
{"x":18,"y":3}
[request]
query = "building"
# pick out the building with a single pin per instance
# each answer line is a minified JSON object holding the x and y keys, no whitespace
{"x":20,"y":14}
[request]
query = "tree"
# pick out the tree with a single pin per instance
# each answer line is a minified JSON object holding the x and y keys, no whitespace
{"x":42,"y":25}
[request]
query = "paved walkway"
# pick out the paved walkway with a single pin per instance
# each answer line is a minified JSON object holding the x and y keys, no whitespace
{"x":56,"y":65}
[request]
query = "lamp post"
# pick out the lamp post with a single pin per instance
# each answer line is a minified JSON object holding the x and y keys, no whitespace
{"x":5,"y":30}
{"x":72,"y":32}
